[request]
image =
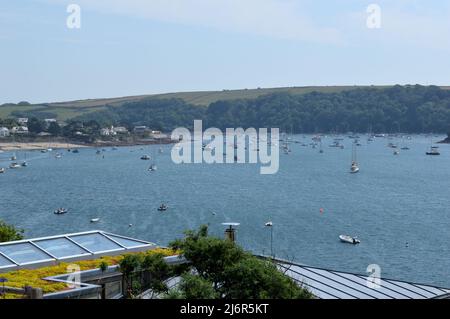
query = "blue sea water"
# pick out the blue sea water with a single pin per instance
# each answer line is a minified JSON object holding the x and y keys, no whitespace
{"x":399,"y":206}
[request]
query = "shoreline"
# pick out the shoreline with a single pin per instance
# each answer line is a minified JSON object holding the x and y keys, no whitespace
{"x":32,"y":146}
{"x":445,"y":141}
{"x":29,"y":146}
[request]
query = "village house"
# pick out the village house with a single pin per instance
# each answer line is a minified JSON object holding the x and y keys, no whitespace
{"x":22,"y":121}
{"x":48,"y":122}
{"x":107,"y":132}
{"x":158,"y":135}
{"x":140,"y":129}
{"x":113,"y":131}
{"x":4,"y":132}
{"x":19,"y":130}
{"x":120,"y":130}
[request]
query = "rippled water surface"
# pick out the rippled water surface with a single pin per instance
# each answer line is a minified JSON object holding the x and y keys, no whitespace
{"x":399,"y":206}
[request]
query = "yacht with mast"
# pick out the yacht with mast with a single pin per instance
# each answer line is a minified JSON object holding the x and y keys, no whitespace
{"x":434,"y":150}
{"x":354,"y":168}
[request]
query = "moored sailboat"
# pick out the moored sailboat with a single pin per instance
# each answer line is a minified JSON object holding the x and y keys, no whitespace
{"x":354,"y":168}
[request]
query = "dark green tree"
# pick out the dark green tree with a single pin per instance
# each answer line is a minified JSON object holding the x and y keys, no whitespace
{"x":193,"y":287}
{"x":224,"y":270}
{"x":9,"y":232}
{"x":35,"y":126}
{"x":252,"y":278}
{"x":54,"y":129}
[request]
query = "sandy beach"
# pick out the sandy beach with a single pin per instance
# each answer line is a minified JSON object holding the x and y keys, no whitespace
{"x":36,"y":146}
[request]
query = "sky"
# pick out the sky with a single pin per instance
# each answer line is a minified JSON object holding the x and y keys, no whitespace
{"x":133,"y":47}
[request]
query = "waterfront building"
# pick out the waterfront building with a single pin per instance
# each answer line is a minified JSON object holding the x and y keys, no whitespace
{"x":140,"y":129}
{"x":23,"y":121}
{"x":120,"y":130}
{"x":4,"y":132}
{"x":19,"y":130}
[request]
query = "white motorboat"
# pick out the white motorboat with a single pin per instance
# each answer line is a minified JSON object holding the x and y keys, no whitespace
{"x":60,"y":211}
{"x":349,"y":239}
{"x":2,"y":170}
{"x":95,"y":220}
{"x":145,"y":158}
{"x":15,"y":165}
{"x":152,"y":168}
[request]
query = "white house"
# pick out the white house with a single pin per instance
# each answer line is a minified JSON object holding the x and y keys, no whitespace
{"x":49,"y":121}
{"x":108,"y":131}
{"x":120,"y":130}
{"x":140,"y":129}
{"x":105,"y":132}
{"x":158,"y":135}
{"x":4,"y":132}
{"x":23,"y":121}
{"x":19,"y":130}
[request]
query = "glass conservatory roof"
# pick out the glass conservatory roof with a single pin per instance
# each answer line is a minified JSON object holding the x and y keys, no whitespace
{"x":63,"y":247}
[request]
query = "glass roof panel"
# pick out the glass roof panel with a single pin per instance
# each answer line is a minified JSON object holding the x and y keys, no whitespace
{"x":129,"y":243}
{"x":61,"y":247}
{"x":95,"y":242}
{"x":24,"y":253}
{"x":5,"y":262}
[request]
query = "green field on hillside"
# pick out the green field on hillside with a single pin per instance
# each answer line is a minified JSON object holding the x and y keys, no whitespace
{"x":67,"y":110}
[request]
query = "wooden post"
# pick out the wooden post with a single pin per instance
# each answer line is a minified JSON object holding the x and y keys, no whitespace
{"x":34,"y":293}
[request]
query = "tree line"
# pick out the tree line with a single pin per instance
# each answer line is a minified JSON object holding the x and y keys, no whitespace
{"x":410,"y":109}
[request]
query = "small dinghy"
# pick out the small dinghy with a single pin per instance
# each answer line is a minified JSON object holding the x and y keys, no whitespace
{"x":145,"y":157}
{"x":163,"y":208}
{"x":152,"y":168}
{"x":60,"y":211}
{"x":349,"y":239}
{"x":2,"y":170}
{"x":95,"y":220}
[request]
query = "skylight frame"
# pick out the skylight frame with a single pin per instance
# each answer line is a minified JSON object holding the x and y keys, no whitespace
{"x":87,"y":252}
{"x":44,"y":260}
{"x":34,"y":243}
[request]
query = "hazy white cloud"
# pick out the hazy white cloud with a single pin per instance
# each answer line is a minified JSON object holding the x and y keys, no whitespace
{"x":275,"y":18}
{"x":404,"y":22}
{"x":409,"y":24}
